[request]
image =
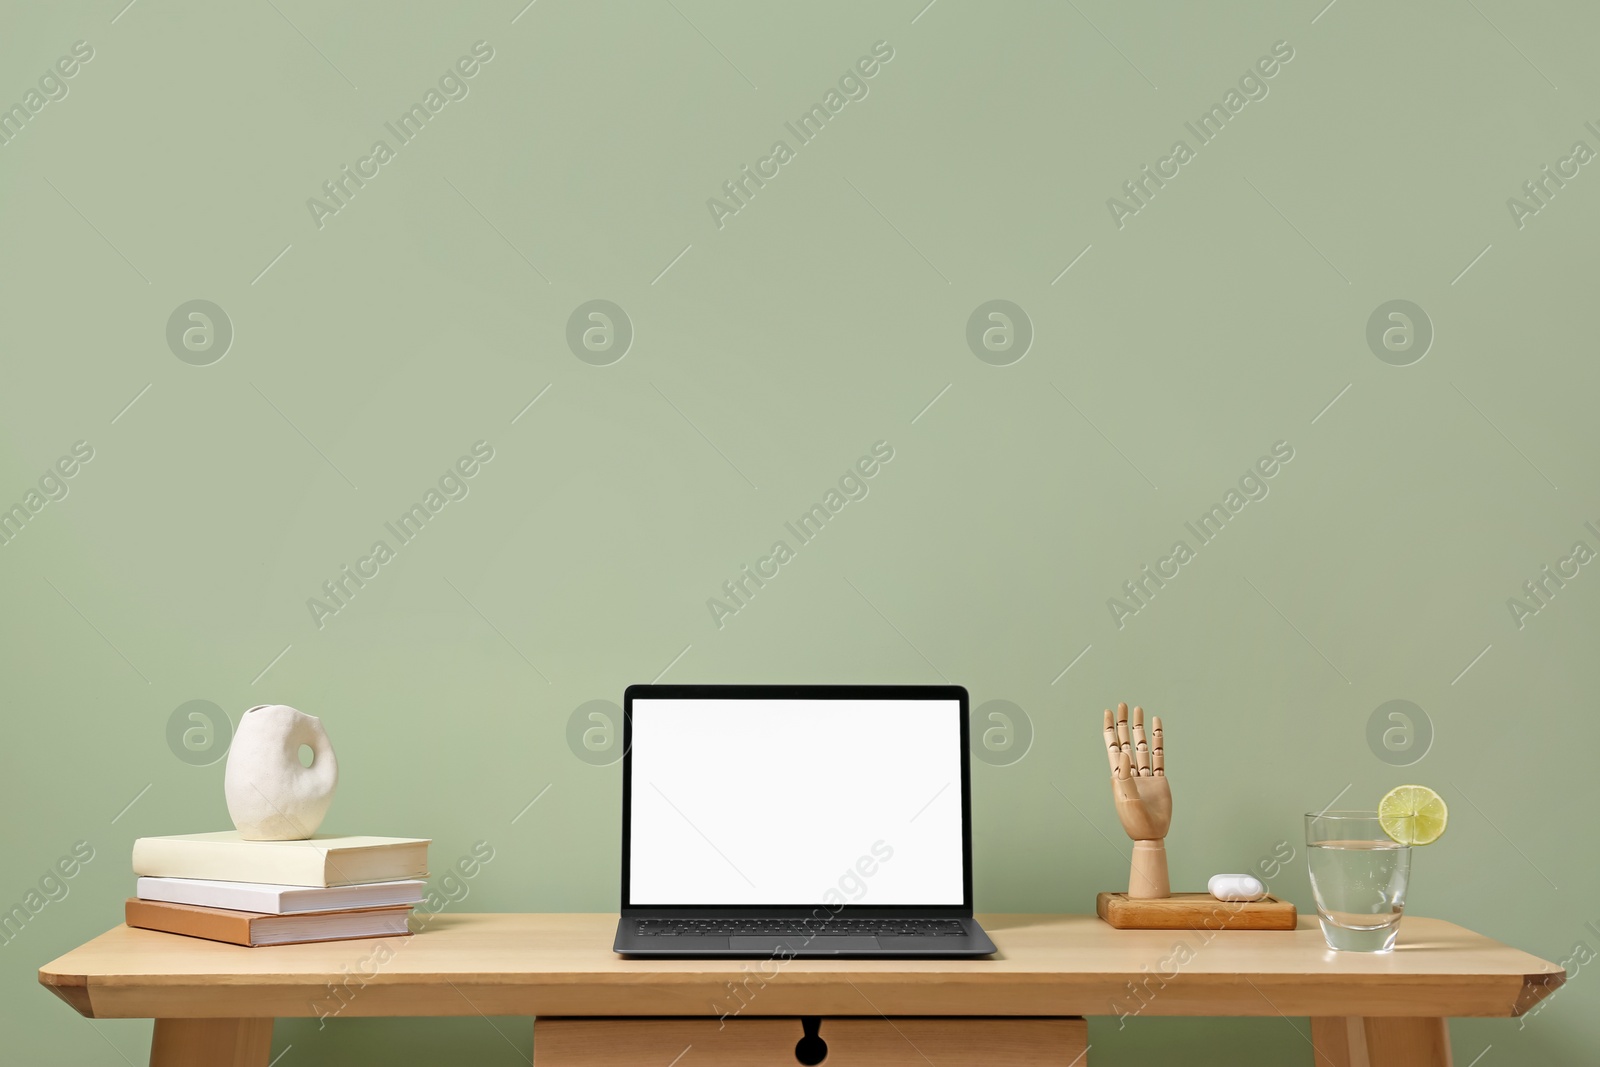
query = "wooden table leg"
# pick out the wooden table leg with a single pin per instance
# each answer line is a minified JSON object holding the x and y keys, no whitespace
{"x":1352,"y":1041}
{"x":211,"y":1043}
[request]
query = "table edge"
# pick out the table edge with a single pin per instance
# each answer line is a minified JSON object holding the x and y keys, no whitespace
{"x":77,"y":989}
{"x":72,"y":988}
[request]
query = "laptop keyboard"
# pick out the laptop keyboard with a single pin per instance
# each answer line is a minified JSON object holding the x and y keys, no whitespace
{"x":799,"y":927}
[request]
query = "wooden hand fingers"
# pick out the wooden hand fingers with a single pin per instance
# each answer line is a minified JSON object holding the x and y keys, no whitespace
{"x":1130,"y":749}
{"x":1113,"y":748}
{"x":1141,"y":748}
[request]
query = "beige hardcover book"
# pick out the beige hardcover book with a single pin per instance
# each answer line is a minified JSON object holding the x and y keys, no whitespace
{"x":322,"y":860}
{"x":251,"y":928}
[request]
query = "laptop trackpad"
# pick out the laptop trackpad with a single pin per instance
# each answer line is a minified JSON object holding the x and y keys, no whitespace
{"x":823,"y":943}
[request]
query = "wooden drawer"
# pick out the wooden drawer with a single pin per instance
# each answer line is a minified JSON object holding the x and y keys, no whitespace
{"x":838,"y":1041}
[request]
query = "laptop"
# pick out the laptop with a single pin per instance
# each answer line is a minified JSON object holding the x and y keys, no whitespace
{"x":795,"y":821}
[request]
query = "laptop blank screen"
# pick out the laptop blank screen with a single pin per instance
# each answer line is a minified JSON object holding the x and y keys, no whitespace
{"x":796,"y":802}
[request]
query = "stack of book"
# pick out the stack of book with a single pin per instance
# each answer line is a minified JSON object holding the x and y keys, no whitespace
{"x":224,"y":888}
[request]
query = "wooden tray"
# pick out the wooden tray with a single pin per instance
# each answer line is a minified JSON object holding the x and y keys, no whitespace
{"x":1195,"y":911}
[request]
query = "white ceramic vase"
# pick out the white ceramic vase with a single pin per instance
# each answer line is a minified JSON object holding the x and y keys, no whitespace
{"x":271,"y":797}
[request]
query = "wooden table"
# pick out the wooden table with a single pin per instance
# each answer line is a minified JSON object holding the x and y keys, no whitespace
{"x":214,"y":1003}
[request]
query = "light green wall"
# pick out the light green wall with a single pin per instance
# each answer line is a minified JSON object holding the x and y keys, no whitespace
{"x":825,"y":316}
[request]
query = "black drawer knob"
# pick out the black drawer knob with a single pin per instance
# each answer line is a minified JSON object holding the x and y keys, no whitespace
{"x":811,"y":1049}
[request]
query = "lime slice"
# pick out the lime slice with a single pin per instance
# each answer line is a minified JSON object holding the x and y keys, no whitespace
{"x":1413,"y":815}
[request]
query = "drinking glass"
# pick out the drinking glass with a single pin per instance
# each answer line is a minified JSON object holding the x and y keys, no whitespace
{"x":1359,"y":876}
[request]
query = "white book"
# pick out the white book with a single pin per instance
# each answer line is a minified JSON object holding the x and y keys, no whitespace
{"x":273,"y":899}
{"x":322,"y":860}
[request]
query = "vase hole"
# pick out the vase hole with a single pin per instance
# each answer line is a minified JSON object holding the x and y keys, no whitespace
{"x":307,"y":756}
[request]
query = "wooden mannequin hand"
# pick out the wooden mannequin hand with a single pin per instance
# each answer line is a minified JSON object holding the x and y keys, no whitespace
{"x":1138,"y":775}
{"x":1143,"y":796}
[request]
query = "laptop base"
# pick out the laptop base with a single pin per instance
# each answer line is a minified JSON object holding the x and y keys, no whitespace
{"x":971,"y":942}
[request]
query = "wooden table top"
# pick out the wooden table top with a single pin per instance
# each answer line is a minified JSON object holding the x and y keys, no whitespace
{"x":562,"y":964}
